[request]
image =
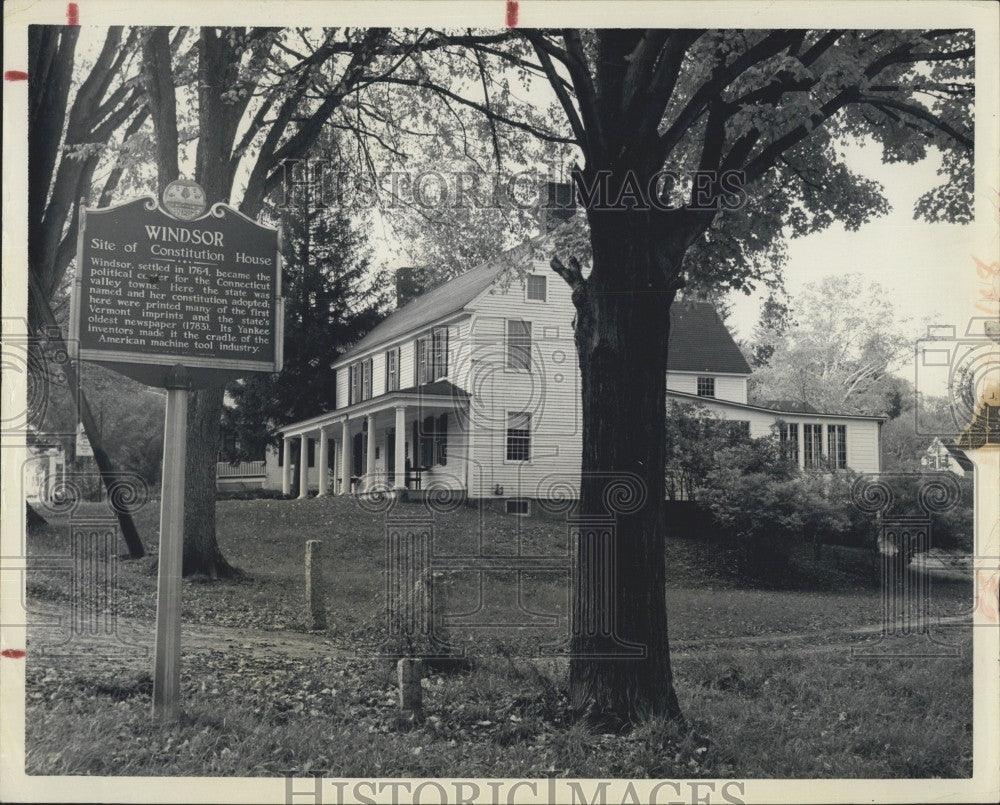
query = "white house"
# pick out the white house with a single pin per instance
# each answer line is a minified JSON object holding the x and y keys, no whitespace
{"x":44,"y":469}
{"x":941,"y":455}
{"x":474,"y":386}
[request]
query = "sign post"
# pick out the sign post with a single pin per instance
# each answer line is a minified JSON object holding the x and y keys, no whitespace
{"x":166,"y":661}
{"x":178,"y":298}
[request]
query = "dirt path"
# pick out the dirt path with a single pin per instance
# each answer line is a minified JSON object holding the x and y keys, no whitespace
{"x":49,"y":627}
{"x":133,"y":642}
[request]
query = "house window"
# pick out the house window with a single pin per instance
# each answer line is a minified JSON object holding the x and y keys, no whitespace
{"x":536,"y":287}
{"x":431,"y":356}
{"x":359,"y":450}
{"x":392,"y":370}
{"x":706,"y":386}
{"x":441,"y":440}
{"x":311,"y":452}
{"x":427,"y":442}
{"x":813,"y":444}
{"x":788,"y":435}
{"x":518,"y":506}
{"x":836,"y":446}
{"x":519,"y":345}
{"x":355,"y":392}
{"x":518,"y":437}
{"x":366,"y":379}
{"x":420,"y":363}
{"x":439,"y":357}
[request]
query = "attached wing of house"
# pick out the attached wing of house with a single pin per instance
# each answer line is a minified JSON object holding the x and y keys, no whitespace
{"x":474,"y":386}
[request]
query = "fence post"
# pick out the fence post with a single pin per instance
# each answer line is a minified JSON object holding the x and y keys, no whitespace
{"x":315,"y":589}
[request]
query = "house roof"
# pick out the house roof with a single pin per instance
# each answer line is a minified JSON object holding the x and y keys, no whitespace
{"x":791,"y":406}
{"x":439,"y":388}
{"x":714,"y":401}
{"x":700,"y":342}
{"x":444,"y":300}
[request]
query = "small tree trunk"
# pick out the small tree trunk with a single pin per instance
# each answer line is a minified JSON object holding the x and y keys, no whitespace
{"x":621,"y":338}
{"x":130,"y":534}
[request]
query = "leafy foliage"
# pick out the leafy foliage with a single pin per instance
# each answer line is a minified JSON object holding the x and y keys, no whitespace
{"x":331,"y":300}
{"x":839,"y":354}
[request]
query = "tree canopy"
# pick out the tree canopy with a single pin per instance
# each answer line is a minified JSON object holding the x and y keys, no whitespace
{"x":840,"y":353}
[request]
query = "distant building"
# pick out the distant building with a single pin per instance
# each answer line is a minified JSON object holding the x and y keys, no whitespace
{"x":944,"y":455}
{"x":44,"y":469}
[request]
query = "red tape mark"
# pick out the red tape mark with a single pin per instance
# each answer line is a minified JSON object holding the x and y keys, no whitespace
{"x":13,"y":653}
{"x":72,"y":14}
{"x":15,"y":75}
{"x":511,"y":13}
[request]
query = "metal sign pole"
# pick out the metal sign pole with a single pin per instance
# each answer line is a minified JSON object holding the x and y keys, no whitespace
{"x":166,"y":663}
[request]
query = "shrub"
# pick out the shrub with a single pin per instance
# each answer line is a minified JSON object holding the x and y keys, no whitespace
{"x":250,"y":494}
{"x":762,"y":506}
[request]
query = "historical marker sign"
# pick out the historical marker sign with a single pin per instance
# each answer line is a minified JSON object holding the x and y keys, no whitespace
{"x":176,"y":298}
{"x":155,"y":291}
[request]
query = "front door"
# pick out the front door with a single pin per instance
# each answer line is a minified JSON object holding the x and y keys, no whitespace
{"x":390,"y":455}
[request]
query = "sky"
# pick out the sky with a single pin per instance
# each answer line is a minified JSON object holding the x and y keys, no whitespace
{"x":927,"y":269}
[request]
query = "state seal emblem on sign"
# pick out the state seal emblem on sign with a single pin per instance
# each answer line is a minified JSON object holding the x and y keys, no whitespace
{"x":184,"y":199}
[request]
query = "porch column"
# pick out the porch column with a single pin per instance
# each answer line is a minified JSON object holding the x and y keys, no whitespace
{"x":52,"y":479}
{"x":304,"y":467}
{"x":286,"y":466}
{"x":400,"y":480}
{"x":323,"y":462}
{"x":802,"y":445}
{"x":370,"y":453}
{"x":345,"y":457}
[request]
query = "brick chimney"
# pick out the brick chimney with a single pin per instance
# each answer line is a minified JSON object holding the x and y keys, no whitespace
{"x":560,"y":204}
{"x":409,"y":284}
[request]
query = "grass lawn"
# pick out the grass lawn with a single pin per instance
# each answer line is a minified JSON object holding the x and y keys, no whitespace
{"x":765,"y":676}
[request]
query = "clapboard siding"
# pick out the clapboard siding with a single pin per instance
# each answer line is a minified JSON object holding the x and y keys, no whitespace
{"x":550,"y":392}
{"x":727,"y":387}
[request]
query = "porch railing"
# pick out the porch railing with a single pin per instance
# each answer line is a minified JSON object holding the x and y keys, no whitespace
{"x":244,"y":469}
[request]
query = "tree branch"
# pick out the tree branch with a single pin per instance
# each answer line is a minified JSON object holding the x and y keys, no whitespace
{"x":921,"y":113}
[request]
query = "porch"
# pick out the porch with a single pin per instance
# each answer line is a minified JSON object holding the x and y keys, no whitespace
{"x":398,"y":441}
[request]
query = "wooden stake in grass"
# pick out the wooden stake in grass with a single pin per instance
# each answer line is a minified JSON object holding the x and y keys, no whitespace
{"x":411,"y":703}
{"x":315,"y":589}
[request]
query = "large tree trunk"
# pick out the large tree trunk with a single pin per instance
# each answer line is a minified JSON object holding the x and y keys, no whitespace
{"x":621,"y":339}
{"x":201,"y":548}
